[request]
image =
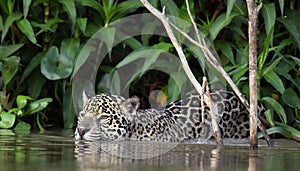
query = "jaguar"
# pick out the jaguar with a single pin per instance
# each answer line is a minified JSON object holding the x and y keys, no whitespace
{"x":111,"y":117}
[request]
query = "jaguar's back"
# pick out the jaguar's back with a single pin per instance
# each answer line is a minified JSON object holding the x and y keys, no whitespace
{"x":233,"y":117}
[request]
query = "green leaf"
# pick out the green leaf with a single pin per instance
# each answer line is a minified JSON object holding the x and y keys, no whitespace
{"x":35,"y":62}
{"x":85,"y":54}
{"x":276,"y":107}
{"x":4,"y":7}
{"x":272,"y":66}
{"x":240,"y":7}
{"x":110,"y":82}
{"x":291,"y":98}
{"x":7,"y":50}
{"x":219,"y":24}
{"x":116,"y":82}
{"x":144,"y":52}
{"x":226,"y":50}
{"x":70,"y":47}
{"x":281,"y":5}
{"x":292,"y":130}
{"x":230,"y":4}
{"x":237,"y":30}
{"x":7,"y":120}
{"x":269,"y":15}
{"x":56,"y":66}
{"x":148,"y":31}
{"x":285,"y":73}
{"x":10,"y":6}
{"x":35,"y":87}
{"x":107,"y":35}
{"x":92,"y":4}
{"x":22,"y":126}
{"x":9,"y":21}
{"x":132,"y":43}
{"x":275,"y":81}
{"x":291,"y":27}
{"x":26,"y":4}
{"x":1,"y":23}
{"x":141,"y":53}
{"x":278,"y":130}
{"x":25,"y":26}
{"x":269,"y":117}
{"x":197,"y":52}
{"x":41,"y":128}
{"x":10,"y":68}
{"x":82,"y":24}
{"x":51,"y":25}
{"x":239,"y":72}
{"x":22,"y":101}
{"x":158,"y":49}
{"x":68,"y":109}
{"x":175,"y":83}
{"x":124,"y":8}
{"x":37,"y":106}
{"x":69,"y":7}
{"x":296,"y":60}
{"x":264,"y":54}
{"x":171,"y":8}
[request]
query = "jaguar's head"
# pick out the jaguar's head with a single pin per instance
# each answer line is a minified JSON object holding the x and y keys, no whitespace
{"x":105,"y":117}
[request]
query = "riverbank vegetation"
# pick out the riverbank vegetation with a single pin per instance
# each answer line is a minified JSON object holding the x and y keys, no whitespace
{"x":41,"y":41}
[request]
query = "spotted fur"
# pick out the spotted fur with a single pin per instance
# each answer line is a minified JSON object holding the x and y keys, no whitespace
{"x":110,"y":117}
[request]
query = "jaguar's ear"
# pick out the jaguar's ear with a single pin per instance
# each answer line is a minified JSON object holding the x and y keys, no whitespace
{"x":130,"y":106}
{"x":85,"y":98}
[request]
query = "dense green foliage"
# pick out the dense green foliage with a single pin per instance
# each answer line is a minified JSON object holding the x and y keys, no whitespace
{"x":41,"y":41}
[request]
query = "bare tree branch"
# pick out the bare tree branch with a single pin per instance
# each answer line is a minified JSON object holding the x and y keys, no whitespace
{"x":252,"y":20}
{"x":209,"y":56}
{"x":183,"y":60}
{"x":215,"y":63}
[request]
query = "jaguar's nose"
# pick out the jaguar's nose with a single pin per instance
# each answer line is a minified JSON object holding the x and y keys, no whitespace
{"x":82,"y":131}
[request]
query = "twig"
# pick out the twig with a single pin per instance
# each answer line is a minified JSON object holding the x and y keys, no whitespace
{"x":179,"y":50}
{"x":213,"y":107}
{"x":174,"y":41}
{"x":213,"y":110}
{"x":192,"y":20}
{"x":202,"y":106}
{"x":215,"y":63}
{"x":265,"y":134}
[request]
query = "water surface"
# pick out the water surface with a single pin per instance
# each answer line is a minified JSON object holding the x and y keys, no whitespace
{"x":57,"y":150}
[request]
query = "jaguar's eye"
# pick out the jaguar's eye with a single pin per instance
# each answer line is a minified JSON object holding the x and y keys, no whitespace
{"x":81,"y":115}
{"x":103,"y":117}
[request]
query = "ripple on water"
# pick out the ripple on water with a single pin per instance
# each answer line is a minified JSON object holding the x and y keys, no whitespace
{"x":59,"y":151}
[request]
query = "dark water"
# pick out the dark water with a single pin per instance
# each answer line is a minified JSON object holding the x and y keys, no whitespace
{"x":58,"y":151}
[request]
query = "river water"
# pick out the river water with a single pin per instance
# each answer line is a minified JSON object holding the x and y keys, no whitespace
{"x":57,"y":150}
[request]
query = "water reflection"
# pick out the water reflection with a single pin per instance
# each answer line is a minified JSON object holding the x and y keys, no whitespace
{"x":136,"y":155}
{"x":110,"y":155}
{"x":25,"y":151}
{"x":58,"y":151}
{"x":133,"y":155}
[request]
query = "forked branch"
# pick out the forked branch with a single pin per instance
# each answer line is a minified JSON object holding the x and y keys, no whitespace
{"x":209,"y":56}
{"x":183,"y":60}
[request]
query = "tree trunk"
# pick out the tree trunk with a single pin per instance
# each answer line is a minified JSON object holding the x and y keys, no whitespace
{"x":252,"y":20}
